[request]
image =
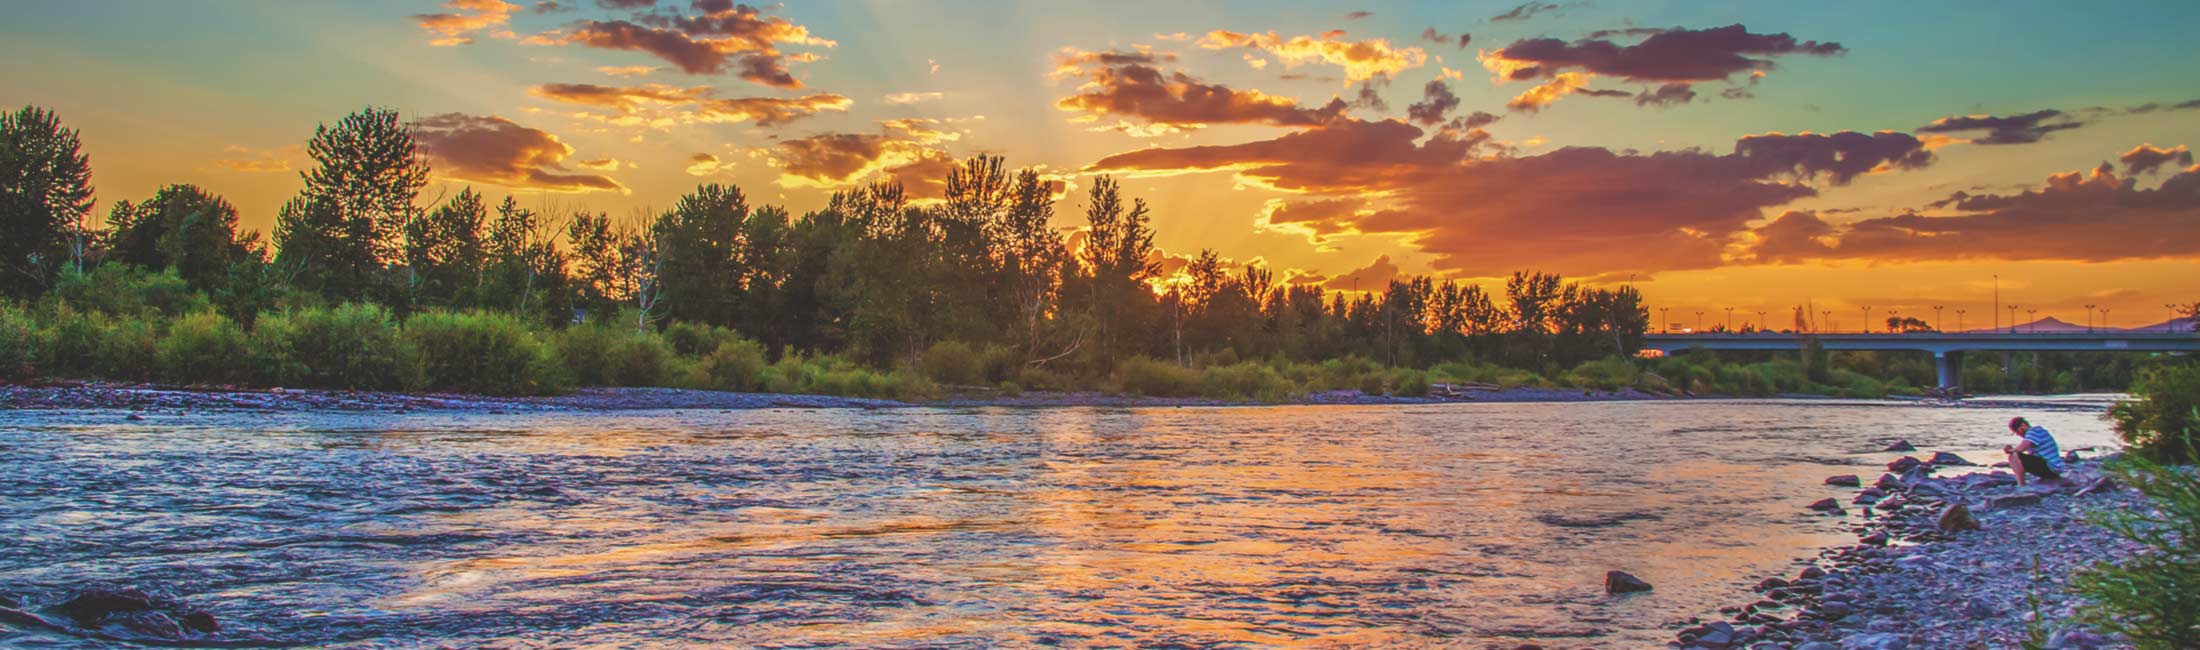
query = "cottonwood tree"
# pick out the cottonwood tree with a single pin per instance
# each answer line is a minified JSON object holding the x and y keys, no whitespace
{"x":45,"y":195}
{"x":184,"y":228}
{"x":346,"y":226}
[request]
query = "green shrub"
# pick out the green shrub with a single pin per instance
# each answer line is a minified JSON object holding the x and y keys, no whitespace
{"x":1609,"y":373}
{"x":1407,"y":382}
{"x":18,"y":341}
{"x":69,"y":342}
{"x":952,"y":362}
{"x":205,"y":348}
{"x":695,"y":339}
{"x":1010,"y":389}
{"x":1000,"y":363}
{"x":736,"y":364}
{"x":1152,"y":377}
{"x":605,"y":355}
{"x":2153,"y":597}
{"x":353,"y":346}
{"x":2160,"y":424}
{"x":129,"y":350}
{"x":1249,"y":380}
{"x":480,"y":352}
{"x":1042,"y":379}
{"x":118,"y":290}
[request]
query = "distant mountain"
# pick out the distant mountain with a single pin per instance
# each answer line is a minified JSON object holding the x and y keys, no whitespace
{"x":2053,"y":325}
{"x":2178,"y":325}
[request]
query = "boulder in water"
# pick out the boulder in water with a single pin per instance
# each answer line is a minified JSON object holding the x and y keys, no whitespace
{"x":1621,"y":582}
{"x":1825,"y":505}
{"x":91,"y":606}
{"x":1956,"y":518}
{"x":1844,"y":480}
{"x":1903,"y":464}
{"x":1900,"y":445}
{"x":1945,"y":458}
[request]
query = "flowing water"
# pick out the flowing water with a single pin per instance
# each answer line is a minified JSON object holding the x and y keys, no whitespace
{"x":1189,"y":527}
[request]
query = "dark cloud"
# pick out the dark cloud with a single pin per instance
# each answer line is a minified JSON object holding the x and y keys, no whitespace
{"x":1373,"y":277}
{"x":550,"y":7}
{"x":1674,"y":58}
{"x":1666,"y":95}
{"x":2014,"y":129}
{"x":902,"y":150}
{"x":1437,"y":102}
{"x":1440,"y":38}
{"x":1358,"y":15}
{"x":726,"y":37}
{"x":1475,"y":121}
{"x":494,"y":150}
{"x":1145,"y":93}
{"x":1577,"y":210}
{"x":2146,"y":158}
{"x":1531,"y":9}
{"x":623,"y":5}
{"x":2074,"y":216}
{"x":1318,"y":218}
{"x":1370,"y":97}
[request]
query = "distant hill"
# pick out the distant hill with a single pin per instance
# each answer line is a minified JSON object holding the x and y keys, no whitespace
{"x":2053,"y":325}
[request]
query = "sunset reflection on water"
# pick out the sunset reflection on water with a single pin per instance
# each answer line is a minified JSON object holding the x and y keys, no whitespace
{"x":1282,"y":526}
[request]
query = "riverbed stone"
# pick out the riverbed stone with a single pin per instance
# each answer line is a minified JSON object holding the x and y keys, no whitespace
{"x":1888,"y":482}
{"x":1844,"y":480}
{"x":1900,"y":445}
{"x":1876,"y":539}
{"x":1903,"y":464}
{"x":1622,"y":582}
{"x":201,"y":622}
{"x":1825,"y":505}
{"x":1955,"y":518}
{"x":1945,"y":458}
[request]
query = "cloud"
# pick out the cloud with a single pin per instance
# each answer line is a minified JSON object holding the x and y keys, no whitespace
{"x":1361,"y":60}
{"x":2014,"y":129}
{"x":1358,"y":15}
{"x":1373,"y":277}
{"x":2074,"y":216}
{"x":2146,"y":158}
{"x":1529,"y":10}
{"x":838,"y":160}
{"x":626,"y":4}
{"x":704,"y":164}
{"x":606,"y":164}
{"x":1317,"y":219}
{"x":1440,"y":38}
{"x":1073,"y":62}
{"x":494,"y":150}
{"x":1145,"y":93}
{"x":1534,"y":99}
{"x":726,"y":36}
{"x":251,"y":161}
{"x":661,"y":105}
{"x":1666,"y":95}
{"x":1664,"y":56}
{"x":1437,"y":102}
{"x":457,"y":26}
{"x":914,"y":98}
{"x":1576,"y":210}
{"x":627,"y":70}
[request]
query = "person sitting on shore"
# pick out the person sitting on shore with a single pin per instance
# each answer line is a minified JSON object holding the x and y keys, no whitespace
{"x":2036,"y":455}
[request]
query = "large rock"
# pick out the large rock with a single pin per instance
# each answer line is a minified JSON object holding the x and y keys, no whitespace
{"x":1945,"y":458}
{"x":92,"y":606}
{"x":1621,"y":582}
{"x":1956,"y":518}
{"x":1888,"y":482}
{"x":1903,"y":464}
{"x":1844,"y":480}
{"x":1876,"y":539}
{"x":1900,"y":445}
{"x":1825,"y":505}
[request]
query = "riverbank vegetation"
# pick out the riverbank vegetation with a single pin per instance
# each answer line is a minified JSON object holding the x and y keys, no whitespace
{"x":2153,"y":598}
{"x":888,"y":291}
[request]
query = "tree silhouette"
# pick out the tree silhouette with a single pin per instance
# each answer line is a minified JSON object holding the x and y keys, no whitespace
{"x":45,"y":194}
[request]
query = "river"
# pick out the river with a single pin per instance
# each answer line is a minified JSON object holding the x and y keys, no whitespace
{"x":1187,"y":527}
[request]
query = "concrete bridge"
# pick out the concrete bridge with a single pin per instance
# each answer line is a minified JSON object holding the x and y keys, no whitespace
{"x":1947,"y":348}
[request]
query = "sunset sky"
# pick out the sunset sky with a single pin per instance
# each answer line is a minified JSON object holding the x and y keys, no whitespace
{"x":1751,"y":155}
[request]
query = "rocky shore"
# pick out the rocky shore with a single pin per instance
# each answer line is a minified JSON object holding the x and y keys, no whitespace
{"x":1969,"y":560}
{"x":168,"y":399}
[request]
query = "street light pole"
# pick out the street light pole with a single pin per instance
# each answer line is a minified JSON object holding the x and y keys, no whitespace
{"x":2089,"y":318}
{"x":1891,"y":329}
{"x":1937,"y":324}
{"x":1997,"y":306}
{"x":1730,"y":320}
{"x":1829,"y":321}
{"x":2104,"y":318}
{"x":1761,"y":320}
{"x":1959,"y":319}
{"x":2034,"y":314}
{"x":1699,"y":322}
{"x":1665,"y":319}
{"x":2012,"y":319}
{"x":1867,"y":320}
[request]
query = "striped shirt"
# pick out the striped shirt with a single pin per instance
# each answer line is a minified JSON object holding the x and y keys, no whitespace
{"x":2043,"y":446}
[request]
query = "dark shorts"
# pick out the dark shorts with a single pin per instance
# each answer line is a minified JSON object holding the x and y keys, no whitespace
{"x":2037,"y":466}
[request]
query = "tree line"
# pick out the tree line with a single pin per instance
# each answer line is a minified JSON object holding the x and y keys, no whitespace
{"x":873,"y":276}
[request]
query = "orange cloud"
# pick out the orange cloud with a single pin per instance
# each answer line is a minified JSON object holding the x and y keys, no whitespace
{"x":1146,"y":94}
{"x":456,"y":27}
{"x":1361,"y":60}
{"x":656,"y":104}
{"x":1376,"y":276}
{"x":494,"y":150}
{"x":725,"y":36}
{"x":2146,"y":158}
{"x":904,"y":148}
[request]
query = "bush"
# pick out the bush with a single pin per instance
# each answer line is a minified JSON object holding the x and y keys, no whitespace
{"x":118,"y":290}
{"x":2153,"y":598}
{"x":480,"y":352}
{"x":1407,"y":382}
{"x":694,"y":339}
{"x":68,"y":344}
{"x":205,"y":347}
{"x":1249,"y":380}
{"x":2160,"y":424}
{"x":1143,"y":375}
{"x":128,"y":350}
{"x":1609,"y":373}
{"x":604,"y":355}
{"x":1043,"y":379}
{"x":18,"y":341}
{"x":952,"y":362}
{"x":737,"y":364}
{"x":353,"y":346}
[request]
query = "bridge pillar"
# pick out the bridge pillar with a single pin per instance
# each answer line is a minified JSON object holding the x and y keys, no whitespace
{"x":1950,"y":365}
